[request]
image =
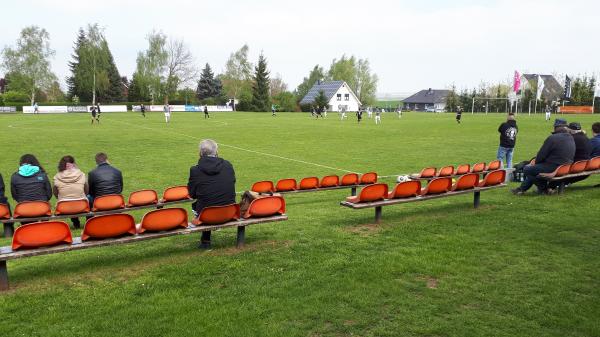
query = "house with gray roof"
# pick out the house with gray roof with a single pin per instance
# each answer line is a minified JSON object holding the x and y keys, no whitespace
{"x":552,"y":91}
{"x":427,"y":100}
{"x":338,"y":93}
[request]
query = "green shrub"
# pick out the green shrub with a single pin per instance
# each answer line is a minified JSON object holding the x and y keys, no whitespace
{"x":16,"y":96}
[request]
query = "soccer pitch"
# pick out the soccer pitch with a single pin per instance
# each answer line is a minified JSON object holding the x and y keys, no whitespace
{"x":517,"y":266}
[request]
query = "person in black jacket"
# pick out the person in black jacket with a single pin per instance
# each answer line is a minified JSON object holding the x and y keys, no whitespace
{"x":211,"y":182}
{"x":104,"y":179}
{"x":508,"y":138}
{"x":3,"y":199}
{"x":583,"y":151}
{"x":558,"y":149}
{"x":30,"y":182}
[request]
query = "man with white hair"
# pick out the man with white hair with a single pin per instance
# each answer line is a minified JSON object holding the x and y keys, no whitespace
{"x":211,"y":182}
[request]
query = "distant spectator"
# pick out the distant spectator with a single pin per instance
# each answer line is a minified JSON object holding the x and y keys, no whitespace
{"x":70,"y":183}
{"x":30,"y":182}
{"x":558,"y":149}
{"x":104,"y":179}
{"x":595,"y":141}
{"x":211,"y":182}
{"x":508,"y":138}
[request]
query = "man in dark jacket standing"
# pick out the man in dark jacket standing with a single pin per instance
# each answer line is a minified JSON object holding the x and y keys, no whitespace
{"x":508,"y":138}
{"x":558,"y":149}
{"x":211,"y":182}
{"x":3,"y":199}
{"x":104,"y":179}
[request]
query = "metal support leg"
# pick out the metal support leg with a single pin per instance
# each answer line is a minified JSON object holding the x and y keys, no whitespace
{"x":241,"y":236}
{"x":476,"y":198}
{"x":561,"y":187}
{"x":8,"y":230}
{"x":205,"y":240}
{"x":353,"y":191}
{"x":378,"y":210}
{"x":3,"y":276}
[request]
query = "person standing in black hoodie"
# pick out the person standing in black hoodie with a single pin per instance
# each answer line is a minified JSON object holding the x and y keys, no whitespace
{"x":508,"y":138}
{"x":211,"y":182}
{"x":3,"y":199}
{"x":30,"y":182}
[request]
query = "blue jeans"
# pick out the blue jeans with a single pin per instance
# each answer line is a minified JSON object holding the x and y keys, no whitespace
{"x":531,"y":172}
{"x":505,"y":155}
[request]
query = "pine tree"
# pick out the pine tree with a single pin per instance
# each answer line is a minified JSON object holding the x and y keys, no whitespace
{"x":261,"y":100}
{"x":72,"y":81}
{"x":207,"y":84}
{"x":115,"y":86}
{"x":321,"y":100}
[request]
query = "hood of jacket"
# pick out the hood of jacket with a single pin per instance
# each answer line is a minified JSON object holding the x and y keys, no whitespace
{"x":210,"y":165}
{"x":69,"y":176}
{"x":512,"y":123}
{"x":28,"y":170}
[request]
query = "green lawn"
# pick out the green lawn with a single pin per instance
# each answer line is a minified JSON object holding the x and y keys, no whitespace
{"x":517,"y":266}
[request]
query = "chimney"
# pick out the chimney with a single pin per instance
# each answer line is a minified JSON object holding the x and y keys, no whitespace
{"x":429,"y":92}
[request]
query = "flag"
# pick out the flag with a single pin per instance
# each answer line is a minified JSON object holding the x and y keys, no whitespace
{"x":517,"y":82}
{"x":567,"y":93}
{"x":540,"y":87}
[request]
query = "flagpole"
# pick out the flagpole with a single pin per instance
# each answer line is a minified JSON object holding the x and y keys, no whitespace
{"x":594,"y":95}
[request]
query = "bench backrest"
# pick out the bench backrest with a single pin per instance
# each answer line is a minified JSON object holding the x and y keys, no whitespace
{"x":349,"y":179}
{"x":494,"y":165}
{"x":368,"y":178}
{"x":108,"y":226}
{"x":463,"y":169}
{"x":428,"y":172}
{"x":437,"y":186}
{"x":309,"y":183}
{"x":466,"y":182}
{"x":164,"y":219}
{"x":142,"y":198}
{"x":215,"y":215}
{"x":108,"y":202}
{"x":265,"y":186}
{"x":330,"y":181}
{"x":286,"y":185}
{"x":266,"y":206}
{"x":578,"y":167}
{"x":562,"y":170}
{"x":4,"y":211}
{"x":446,"y":171}
{"x":493,"y":178}
{"x":593,"y":164}
{"x":32,"y":209}
{"x":479,"y":167}
{"x":176,"y":193}
{"x":41,"y":234}
{"x":406,"y":189}
{"x":72,"y":207}
{"x":373,"y":192}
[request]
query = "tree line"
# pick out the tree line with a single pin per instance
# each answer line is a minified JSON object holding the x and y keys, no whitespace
{"x":166,"y":72}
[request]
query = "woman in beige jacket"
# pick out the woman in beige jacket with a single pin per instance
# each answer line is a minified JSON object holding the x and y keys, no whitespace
{"x":70,"y":183}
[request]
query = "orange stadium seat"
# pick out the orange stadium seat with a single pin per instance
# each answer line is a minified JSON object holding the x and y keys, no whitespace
{"x":309,"y":183}
{"x":578,"y":167}
{"x":265,"y":186}
{"x":266,"y":206}
{"x":593,"y":164}
{"x":370,"y":193}
{"x":41,"y":234}
{"x":142,"y":198}
{"x":479,"y":167}
{"x":330,"y":181}
{"x":72,"y":207}
{"x":286,"y":185}
{"x":4,"y":211}
{"x":108,"y":226}
{"x":108,"y":202}
{"x":466,"y":182}
{"x":437,"y":186}
{"x":406,"y":189}
{"x":494,"y":165}
{"x":349,"y":179}
{"x":32,"y":209}
{"x":494,"y":178}
{"x":446,"y":171}
{"x":428,"y":172}
{"x":215,"y":215}
{"x":368,"y":178}
{"x":463,"y":169}
{"x":176,"y":193}
{"x":164,"y":219}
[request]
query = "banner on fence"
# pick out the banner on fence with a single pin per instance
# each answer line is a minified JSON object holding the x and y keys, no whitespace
{"x":8,"y":109}
{"x":46,"y":109}
{"x":110,"y":108}
{"x":576,"y":109}
{"x":77,"y":108}
{"x":184,"y":108}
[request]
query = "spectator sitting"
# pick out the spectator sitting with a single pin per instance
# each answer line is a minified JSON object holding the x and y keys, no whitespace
{"x":211,"y":182}
{"x":558,"y":149}
{"x":583,"y":147}
{"x":104,"y":179}
{"x":595,"y":141}
{"x":30,"y":182}
{"x":3,"y":199}
{"x":70,"y":183}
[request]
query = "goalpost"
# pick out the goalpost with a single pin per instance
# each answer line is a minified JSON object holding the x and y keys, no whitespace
{"x":487,"y":103}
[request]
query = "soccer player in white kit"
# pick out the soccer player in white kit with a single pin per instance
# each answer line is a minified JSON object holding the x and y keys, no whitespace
{"x":167,"y":110}
{"x":378,"y":116}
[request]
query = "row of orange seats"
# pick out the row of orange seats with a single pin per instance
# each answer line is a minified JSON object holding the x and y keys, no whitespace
{"x":290,"y":184}
{"x":413,"y":188}
{"x":446,"y":171}
{"x":32,"y":209}
{"x":49,"y":233}
{"x":577,"y":167}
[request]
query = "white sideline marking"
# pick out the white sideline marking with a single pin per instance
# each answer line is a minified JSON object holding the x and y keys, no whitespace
{"x":243,"y":149}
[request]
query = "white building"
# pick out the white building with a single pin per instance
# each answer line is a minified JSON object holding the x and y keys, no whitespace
{"x":338,"y":93}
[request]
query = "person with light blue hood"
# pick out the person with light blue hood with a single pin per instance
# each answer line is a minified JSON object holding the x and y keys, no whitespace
{"x":30,"y":182}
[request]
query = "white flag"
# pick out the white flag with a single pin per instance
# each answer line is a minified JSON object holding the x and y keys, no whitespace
{"x":540,"y":87}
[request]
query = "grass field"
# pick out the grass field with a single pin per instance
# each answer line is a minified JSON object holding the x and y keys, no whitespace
{"x":517,"y":266}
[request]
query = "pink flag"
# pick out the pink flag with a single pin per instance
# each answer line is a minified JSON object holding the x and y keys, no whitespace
{"x":517,"y":82}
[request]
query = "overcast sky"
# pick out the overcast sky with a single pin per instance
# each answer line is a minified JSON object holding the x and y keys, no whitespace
{"x":411,"y":44}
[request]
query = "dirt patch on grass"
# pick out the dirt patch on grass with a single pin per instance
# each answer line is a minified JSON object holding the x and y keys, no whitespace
{"x":430,"y":281}
{"x":365,"y":229}
{"x":252,"y":247}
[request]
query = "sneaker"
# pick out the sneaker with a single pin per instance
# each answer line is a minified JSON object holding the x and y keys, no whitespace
{"x":517,"y":191}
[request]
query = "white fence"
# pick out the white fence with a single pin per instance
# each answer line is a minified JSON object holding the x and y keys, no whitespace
{"x":49,"y":109}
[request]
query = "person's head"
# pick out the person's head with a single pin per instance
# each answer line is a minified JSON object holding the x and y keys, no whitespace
{"x":575,"y":127}
{"x":64,"y":161}
{"x":510,"y":117}
{"x":208,"y":148}
{"x":596,"y":128}
{"x":560,"y":124}
{"x":29,"y":159}
{"x":101,"y":157}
